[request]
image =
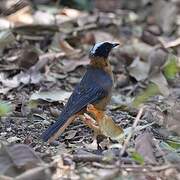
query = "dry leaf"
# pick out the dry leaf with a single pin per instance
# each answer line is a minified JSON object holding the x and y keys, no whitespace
{"x":157,"y":58}
{"x":165,"y":15}
{"x":9,"y":83}
{"x":60,"y":44}
{"x":139,"y":69}
{"x":161,"y":82}
{"x":66,"y":47}
{"x":17,"y":157}
{"x":28,"y":57}
{"x":22,"y":16}
{"x":8,"y":7}
{"x":106,"y":124}
{"x":171,"y":44}
{"x":64,"y":171}
{"x":92,"y":146}
{"x":43,"y":18}
{"x":13,"y":139}
{"x":31,"y":76}
{"x":135,"y":49}
{"x":23,"y":156}
{"x":71,"y":65}
{"x":70,"y":134}
{"x":172,"y":119}
{"x":51,"y":96}
{"x":6,"y":38}
{"x":144,"y":146}
{"x":38,"y":173}
{"x":103,"y":36}
{"x":73,"y":13}
{"x":5,"y":24}
{"x":149,"y":38}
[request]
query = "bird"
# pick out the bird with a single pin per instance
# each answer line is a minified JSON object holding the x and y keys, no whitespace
{"x":94,"y":88}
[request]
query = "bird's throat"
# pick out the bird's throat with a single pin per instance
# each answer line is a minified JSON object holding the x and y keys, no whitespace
{"x":103,"y":64}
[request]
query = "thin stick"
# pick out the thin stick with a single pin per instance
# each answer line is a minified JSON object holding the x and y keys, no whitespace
{"x":132,"y":131}
{"x":147,"y":169}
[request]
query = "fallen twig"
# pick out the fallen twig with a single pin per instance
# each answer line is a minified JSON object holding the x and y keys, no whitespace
{"x":147,"y":168}
{"x":136,"y":168}
{"x":88,"y":158}
{"x":132,"y":131}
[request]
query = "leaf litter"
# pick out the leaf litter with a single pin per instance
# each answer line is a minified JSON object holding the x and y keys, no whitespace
{"x":44,"y":53}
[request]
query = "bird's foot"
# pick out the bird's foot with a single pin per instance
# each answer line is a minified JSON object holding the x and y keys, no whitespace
{"x":90,"y":122}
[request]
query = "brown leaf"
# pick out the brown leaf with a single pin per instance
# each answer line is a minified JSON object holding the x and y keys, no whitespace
{"x":144,"y":146}
{"x":70,"y":134}
{"x":73,"y":13}
{"x":9,"y":83}
{"x":61,"y":44}
{"x":28,"y":57}
{"x":13,"y":139}
{"x":22,"y":16}
{"x":66,"y":47}
{"x":106,"y":124}
{"x":165,"y":15}
{"x":6,"y":38}
{"x":149,"y":38}
{"x":103,"y":36}
{"x":43,"y":18}
{"x":161,"y":82}
{"x":157,"y":58}
{"x":171,"y":44}
{"x":107,"y":174}
{"x":106,"y":6}
{"x":139,"y":69}
{"x":32,"y":75}
{"x":51,"y":96}
{"x":2,"y":177}
{"x":172,"y":119}
{"x":135,"y":49}
{"x":71,"y":65}
{"x":88,"y":38}
{"x":15,"y":157}
{"x":38,"y":173}
{"x":10,"y":6}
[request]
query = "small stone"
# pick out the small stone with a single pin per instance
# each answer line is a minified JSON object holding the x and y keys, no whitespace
{"x":149,"y":38}
{"x":31,"y":126}
{"x":3,"y":134}
{"x":28,"y":140}
{"x":55,"y":143}
{"x":122,"y":80}
{"x":154,"y":29}
{"x":8,"y":129}
{"x":38,"y":149}
{"x":13,"y":139}
{"x":45,"y":122}
{"x":54,"y":111}
{"x":73,"y":80}
{"x":33,"y":144}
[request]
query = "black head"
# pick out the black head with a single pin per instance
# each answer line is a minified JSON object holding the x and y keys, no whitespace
{"x":102,"y":49}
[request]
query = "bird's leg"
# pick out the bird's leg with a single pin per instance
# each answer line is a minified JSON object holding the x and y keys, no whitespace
{"x":61,"y":130}
{"x":90,"y":122}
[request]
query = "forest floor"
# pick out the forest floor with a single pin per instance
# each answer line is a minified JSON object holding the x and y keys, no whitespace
{"x":43,"y":55}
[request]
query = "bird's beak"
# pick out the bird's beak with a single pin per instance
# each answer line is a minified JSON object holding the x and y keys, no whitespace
{"x":115,"y":44}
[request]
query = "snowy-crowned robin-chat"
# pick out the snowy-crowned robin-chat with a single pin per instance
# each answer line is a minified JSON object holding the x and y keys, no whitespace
{"x":94,"y":88}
